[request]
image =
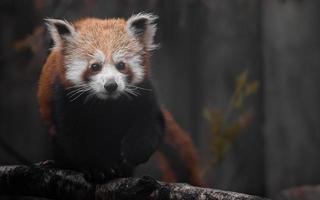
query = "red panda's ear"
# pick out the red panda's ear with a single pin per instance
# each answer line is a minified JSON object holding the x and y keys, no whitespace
{"x":60,"y":30}
{"x":143,"y":27}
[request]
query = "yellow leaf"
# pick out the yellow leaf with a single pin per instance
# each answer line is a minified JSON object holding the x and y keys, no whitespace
{"x":252,"y":88}
{"x":238,"y":103}
{"x":242,"y":79}
{"x":232,"y":131}
{"x":207,"y":114}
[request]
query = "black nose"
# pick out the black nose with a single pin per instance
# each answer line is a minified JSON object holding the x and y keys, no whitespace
{"x":111,"y":87}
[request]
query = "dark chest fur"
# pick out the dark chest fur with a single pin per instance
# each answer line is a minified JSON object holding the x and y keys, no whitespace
{"x":90,"y":132}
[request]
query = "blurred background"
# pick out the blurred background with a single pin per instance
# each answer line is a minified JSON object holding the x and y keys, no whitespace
{"x":241,"y":76}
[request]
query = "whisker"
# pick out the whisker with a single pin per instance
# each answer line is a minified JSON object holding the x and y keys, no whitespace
{"x":135,"y":91}
{"x":77,"y":89}
{"x":77,"y":97}
{"x":127,"y":95}
{"x":77,"y":92}
{"x":74,"y":91}
{"x":137,"y":87}
{"x":129,"y":91}
{"x":76,"y":86}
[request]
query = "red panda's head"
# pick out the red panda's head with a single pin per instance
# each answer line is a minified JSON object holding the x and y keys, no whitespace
{"x":107,"y":57}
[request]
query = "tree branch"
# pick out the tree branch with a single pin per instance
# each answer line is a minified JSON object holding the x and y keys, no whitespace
{"x":47,"y":182}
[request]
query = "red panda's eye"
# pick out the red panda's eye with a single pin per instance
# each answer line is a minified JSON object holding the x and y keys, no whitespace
{"x":120,"y":66}
{"x":96,"y":67}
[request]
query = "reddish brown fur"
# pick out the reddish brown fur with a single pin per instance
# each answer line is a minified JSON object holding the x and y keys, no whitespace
{"x":182,"y":142}
{"x":129,"y":73}
{"x":51,"y":70}
{"x":86,"y":74}
{"x":168,"y":174}
{"x":146,"y":63}
{"x":94,"y":33}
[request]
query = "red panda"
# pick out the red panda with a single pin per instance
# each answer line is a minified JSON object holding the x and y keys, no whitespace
{"x":96,"y":97}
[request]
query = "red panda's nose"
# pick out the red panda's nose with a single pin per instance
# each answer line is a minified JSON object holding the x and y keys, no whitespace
{"x":111,"y":86}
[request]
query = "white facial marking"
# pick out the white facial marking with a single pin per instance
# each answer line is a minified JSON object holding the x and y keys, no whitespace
{"x":137,"y":69}
{"x":98,"y":56}
{"x":108,"y":74}
{"x":133,"y":62}
{"x":74,"y":69}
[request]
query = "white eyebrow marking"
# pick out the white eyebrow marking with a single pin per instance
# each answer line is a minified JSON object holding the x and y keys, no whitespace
{"x":133,"y":61}
{"x":119,"y":56}
{"x":99,"y":56}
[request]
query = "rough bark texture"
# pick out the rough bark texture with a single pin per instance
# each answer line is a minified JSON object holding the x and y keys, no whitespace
{"x":52,"y":183}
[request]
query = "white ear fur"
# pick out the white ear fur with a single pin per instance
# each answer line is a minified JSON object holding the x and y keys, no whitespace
{"x":60,"y":30}
{"x":142,"y":26}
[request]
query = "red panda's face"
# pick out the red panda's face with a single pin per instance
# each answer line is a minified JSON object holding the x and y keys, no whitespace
{"x":107,"y":58}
